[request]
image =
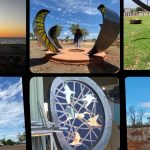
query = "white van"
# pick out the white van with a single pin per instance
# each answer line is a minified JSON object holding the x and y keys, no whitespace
{"x":1,"y":144}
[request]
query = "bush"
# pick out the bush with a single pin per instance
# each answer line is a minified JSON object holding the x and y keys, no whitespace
{"x":8,"y":142}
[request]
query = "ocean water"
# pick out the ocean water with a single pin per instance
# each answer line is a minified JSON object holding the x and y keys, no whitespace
{"x":20,"y":40}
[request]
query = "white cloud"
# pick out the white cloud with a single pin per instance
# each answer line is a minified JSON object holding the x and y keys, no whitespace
{"x":92,"y":35}
{"x":66,"y":33}
{"x":115,"y":1}
{"x":11,"y":91}
{"x":145,"y":104}
{"x":11,"y":113}
{"x":129,"y":4}
{"x":59,"y":9}
{"x":68,"y":6}
{"x":11,"y":109}
{"x":89,"y":25}
{"x":147,"y":114}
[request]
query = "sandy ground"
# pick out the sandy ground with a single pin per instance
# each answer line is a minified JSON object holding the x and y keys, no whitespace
{"x":139,"y":139}
{"x":12,"y":58}
{"x":39,"y":65}
{"x":14,"y":147}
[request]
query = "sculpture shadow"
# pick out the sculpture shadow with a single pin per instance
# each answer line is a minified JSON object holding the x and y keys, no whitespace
{"x":45,"y":50}
{"x":39,"y":61}
{"x":98,"y":65}
{"x":138,"y":39}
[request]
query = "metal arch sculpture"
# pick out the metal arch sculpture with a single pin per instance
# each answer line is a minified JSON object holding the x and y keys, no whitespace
{"x":52,"y":35}
{"x":109,"y":30}
{"x":39,"y":30}
{"x":79,"y":104}
{"x":138,"y":2}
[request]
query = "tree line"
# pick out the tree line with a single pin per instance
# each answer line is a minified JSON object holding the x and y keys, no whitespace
{"x":21,"y":138}
{"x":135,"y":117}
{"x":72,"y":29}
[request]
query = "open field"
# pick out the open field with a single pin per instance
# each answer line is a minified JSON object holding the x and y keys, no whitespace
{"x":14,"y":147}
{"x":136,"y":44}
{"x":12,"y":58}
{"x":138,"y":139}
{"x":39,"y":65}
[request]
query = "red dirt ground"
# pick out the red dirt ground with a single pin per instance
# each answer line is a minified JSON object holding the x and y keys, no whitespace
{"x":38,"y":63}
{"x":14,"y":147}
{"x":135,"y":145}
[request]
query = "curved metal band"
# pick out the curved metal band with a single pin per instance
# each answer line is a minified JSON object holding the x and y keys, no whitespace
{"x":53,"y":37}
{"x":101,"y":144}
{"x":39,"y":30}
{"x":109,"y":30}
{"x":142,"y":4}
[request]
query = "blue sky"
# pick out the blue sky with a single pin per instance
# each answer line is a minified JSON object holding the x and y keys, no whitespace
{"x":66,"y":12}
{"x":138,"y":94}
{"x":11,"y":107}
{"x":131,"y":4}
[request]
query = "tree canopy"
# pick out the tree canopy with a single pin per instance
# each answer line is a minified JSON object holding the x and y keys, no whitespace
{"x":21,"y":137}
{"x":74,"y":27}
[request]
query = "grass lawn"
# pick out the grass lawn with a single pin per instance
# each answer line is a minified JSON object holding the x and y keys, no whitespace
{"x":137,"y":44}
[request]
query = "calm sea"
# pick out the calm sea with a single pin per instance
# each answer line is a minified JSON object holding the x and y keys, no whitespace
{"x":20,"y":40}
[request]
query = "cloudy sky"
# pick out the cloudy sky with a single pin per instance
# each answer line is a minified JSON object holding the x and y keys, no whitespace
{"x":138,"y":94}
{"x":11,"y":107}
{"x":67,"y":12}
{"x":12,"y":18}
{"x":131,"y":4}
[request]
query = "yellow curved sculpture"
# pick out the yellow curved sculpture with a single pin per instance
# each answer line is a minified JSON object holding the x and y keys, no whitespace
{"x":40,"y":33}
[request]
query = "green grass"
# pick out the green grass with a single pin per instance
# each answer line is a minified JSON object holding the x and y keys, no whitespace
{"x":137,"y":44}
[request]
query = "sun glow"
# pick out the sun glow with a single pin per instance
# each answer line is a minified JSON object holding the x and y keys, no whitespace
{"x":12,"y":18}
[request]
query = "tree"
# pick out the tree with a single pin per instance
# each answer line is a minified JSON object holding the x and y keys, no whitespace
{"x":10,"y":142}
{"x":140,"y":121}
{"x":66,"y":38}
{"x":148,"y":119}
{"x":136,"y":118}
{"x":132,"y":116}
{"x":21,"y":137}
{"x":140,"y":117}
{"x":58,"y":31}
{"x":84,"y":32}
{"x":139,"y":9}
{"x":31,"y":35}
{"x":74,"y":27}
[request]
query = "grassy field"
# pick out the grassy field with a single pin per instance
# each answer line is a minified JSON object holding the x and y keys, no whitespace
{"x":137,"y":44}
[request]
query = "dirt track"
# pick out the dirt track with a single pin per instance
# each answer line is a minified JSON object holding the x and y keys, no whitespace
{"x":39,"y":65}
{"x":14,"y":147}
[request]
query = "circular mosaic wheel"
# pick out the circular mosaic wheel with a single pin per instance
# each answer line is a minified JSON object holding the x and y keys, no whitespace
{"x":81,"y":107}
